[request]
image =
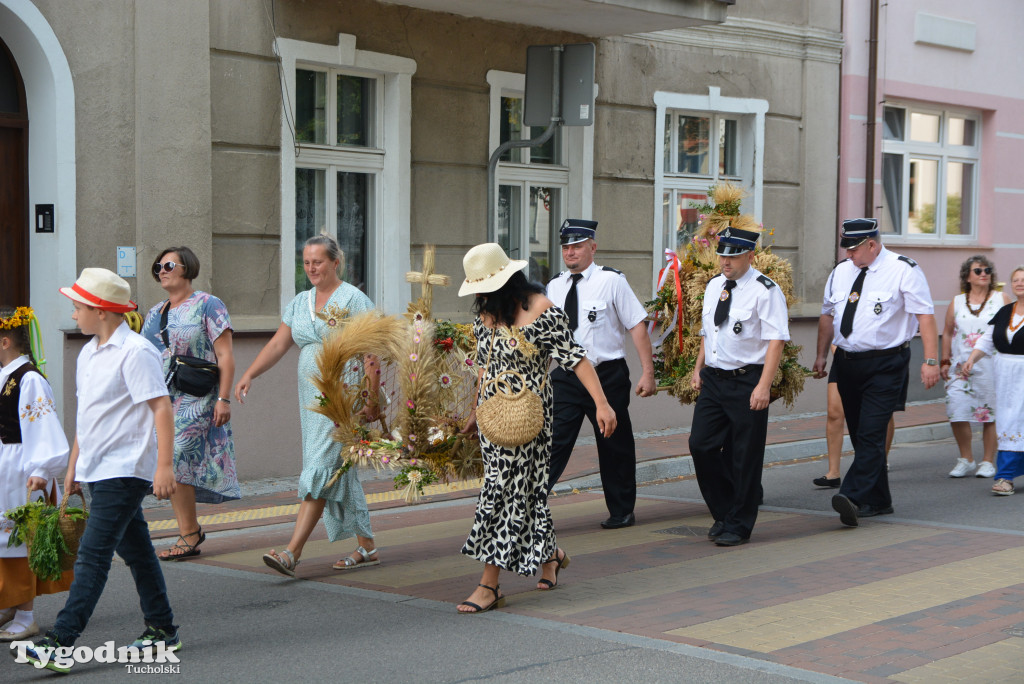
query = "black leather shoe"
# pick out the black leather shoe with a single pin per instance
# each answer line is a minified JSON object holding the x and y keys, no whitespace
{"x":833,"y":482}
{"x":716,"y":530}
{"x":730,"y":539}
{"x":846,"y":509}
{"x":614,"y":523}
{"x":865,"y":511}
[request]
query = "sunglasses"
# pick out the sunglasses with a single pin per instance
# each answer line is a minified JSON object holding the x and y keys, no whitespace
{"x":167,"y":266}
{"x":987,"y":271}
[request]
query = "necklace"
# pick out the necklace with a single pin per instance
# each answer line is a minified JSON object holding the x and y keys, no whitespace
{"x":967,"y":301}
{"x":1014,"y":328}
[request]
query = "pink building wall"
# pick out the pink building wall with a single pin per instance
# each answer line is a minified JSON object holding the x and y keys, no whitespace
{"x":988,"y":80}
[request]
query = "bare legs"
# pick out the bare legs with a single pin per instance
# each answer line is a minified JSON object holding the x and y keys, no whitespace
{"x":310,"y":511}
{"x":183,"y":501}
{"x":481,"y":596}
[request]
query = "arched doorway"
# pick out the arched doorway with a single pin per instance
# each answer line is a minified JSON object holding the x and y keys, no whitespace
{"x":14,"y":222}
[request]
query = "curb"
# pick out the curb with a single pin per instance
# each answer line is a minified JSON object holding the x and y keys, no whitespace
{"x":681,"y":466}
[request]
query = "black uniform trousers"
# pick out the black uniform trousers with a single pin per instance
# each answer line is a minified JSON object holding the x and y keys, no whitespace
{"x":871,"y":389}
{"x":616,"y":455}
{"x":727,"y":442}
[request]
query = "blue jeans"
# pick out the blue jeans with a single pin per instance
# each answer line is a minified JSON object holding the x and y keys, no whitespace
{"x":115,"y":524}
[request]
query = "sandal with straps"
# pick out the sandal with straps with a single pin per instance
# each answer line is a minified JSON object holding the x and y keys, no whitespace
{"x":190,"y":550}
{"x":498,"y":602}
{"x":283,"y":562}
{"x":563,"y":562}
{"x":350,"y":563}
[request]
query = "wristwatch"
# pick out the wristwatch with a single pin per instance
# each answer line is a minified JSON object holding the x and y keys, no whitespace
{"x":931,"y":362}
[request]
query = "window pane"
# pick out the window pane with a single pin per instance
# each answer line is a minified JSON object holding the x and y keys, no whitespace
{"x":923,"y":196}
{"x":509,"y":223}
{"x":680,"y":218}
{"x":694,"y":133}
{"x":353,"y":218}
{"x":545,"y":253}
{"x":959,"y":198}
{"x":727,"y":147}
{"x":924,"y":127}
{"x":892,"y":189}
{"x":310,"y":215}
{"x":310,"y":103}
{"x":355,"y":110}
{"x":892,"y":122}
{"x":669,"y":156}
{"x":511,"y":127}
{"x":961,"y":131}
{"x":548,"y":152}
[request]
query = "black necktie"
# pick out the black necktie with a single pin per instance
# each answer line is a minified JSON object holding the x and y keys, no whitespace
{"x":572,"y":308}
{"x":724,"y":301}
{"x":846,"y":326}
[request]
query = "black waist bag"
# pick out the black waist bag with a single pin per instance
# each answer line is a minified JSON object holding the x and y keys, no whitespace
{"x":188,"y":374}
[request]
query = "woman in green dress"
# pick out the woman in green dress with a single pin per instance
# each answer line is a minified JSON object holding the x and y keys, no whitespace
{"x":307,"y":320}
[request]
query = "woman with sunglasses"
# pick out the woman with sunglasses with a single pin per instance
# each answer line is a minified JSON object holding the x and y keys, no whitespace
{"x":1005,"y":334}
{"x":197,"y":324}
{"x":971,"y":398}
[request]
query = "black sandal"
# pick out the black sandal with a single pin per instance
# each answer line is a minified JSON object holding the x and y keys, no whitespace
{"x":563,"y":562}
{"x":191,"y":550}
{"x":498,"y":602}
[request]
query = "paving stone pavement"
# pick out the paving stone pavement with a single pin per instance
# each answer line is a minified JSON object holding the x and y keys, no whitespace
{"x":888,"y":601}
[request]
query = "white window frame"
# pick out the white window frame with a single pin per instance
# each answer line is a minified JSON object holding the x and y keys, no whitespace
{"x":750,"y":115}
{"x":388,"y":161}
{"x":574,"y":176}
{"x":943,"y":153}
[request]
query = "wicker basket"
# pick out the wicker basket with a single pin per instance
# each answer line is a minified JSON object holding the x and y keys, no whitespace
{"x":510,"y":419}
{"x":71,"y":530}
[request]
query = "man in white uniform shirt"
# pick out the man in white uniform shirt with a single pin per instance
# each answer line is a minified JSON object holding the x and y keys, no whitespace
{"x":879,"y":298}
{"x":601,"y":308}
{"x":745,"y":326}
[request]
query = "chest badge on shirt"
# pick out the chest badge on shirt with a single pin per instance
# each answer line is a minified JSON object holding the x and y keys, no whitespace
{"x":591,"y":315}
{"x":738,"y":328}
{"x":878,"y":309}
{"x":854,"y":296}
{"x":725,"y":295}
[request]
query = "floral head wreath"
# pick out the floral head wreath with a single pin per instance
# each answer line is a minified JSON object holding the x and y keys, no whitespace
{"x":24,"y":315}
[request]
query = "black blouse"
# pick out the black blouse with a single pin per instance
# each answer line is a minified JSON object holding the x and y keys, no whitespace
{"x":1001,"y":332}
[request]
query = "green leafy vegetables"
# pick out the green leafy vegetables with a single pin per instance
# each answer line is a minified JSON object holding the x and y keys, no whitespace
{"x":37,"y":524}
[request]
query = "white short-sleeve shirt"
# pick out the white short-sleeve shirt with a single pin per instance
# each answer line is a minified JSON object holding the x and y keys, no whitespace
{"x":758,"y":314}
{"x":607,"y":309}
{"x":894,"y":292}
{"x":115,"y":428}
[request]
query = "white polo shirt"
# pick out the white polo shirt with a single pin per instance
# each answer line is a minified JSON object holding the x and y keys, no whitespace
{"x":757,"y":314}
{"x":115,"y":429}
{"x":607,"y":309}
{"x":894,"y":292}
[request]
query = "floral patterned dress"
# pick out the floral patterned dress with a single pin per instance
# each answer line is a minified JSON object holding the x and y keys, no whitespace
{"x":512,"y":528}
{"x":204,"y":455}
{"x":346,"y":513}
{"x":971,"y":398}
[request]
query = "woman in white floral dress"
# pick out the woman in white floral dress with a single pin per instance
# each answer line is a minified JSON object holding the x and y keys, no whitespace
{"x":971,"y":398}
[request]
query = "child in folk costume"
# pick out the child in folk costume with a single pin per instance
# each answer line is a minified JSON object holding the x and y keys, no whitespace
{"x":33,"y":451}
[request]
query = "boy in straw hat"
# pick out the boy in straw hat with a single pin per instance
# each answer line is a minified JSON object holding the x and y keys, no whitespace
{"x":121,"y":398}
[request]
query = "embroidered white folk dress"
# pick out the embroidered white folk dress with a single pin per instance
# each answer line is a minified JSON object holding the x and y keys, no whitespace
{"x":43,"y":451}
{"x":1009,"y":374}
{"x":971,"y":398}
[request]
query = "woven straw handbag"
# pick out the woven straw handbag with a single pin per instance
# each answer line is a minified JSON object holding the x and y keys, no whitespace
{"x":509,"y":419}
{"x":71,"y":530}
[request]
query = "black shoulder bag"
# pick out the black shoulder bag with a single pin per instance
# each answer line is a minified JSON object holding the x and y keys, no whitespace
{"x":188,"y":374}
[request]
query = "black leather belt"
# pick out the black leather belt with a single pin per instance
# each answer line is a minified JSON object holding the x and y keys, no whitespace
{"x":843,"y":354}
{"x":723,"y":373}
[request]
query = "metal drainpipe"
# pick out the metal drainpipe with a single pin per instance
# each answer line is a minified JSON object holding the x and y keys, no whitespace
{"x":869,"y":164}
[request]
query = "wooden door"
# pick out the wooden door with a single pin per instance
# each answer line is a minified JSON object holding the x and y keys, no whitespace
{"x":14,"y":215}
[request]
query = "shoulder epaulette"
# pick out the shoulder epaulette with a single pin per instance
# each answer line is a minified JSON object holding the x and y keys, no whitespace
{"x":843,"y":261}
{"x":560,"y":274}
{"x":613,"y":270}
{"x":907,"y":259}
{"x":766,"y":281}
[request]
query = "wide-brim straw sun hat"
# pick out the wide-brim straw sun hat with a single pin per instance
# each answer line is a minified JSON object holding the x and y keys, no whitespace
{"x":488,"y":268}
{"x":101,"y":289}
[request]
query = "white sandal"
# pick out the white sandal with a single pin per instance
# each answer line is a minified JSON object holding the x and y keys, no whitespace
{"x":281,"y":563}
{"x":349,"y":563}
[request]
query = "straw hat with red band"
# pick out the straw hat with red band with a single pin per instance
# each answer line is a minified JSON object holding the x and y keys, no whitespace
{"x":101,"y":289}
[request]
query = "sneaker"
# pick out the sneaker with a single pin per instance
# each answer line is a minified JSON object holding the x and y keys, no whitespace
{"x":962,"y":469}
{"x":48,"y":660}
{"x":985,"y":469}
{"x":156,"y":635}
{"x":1002,"y":488}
